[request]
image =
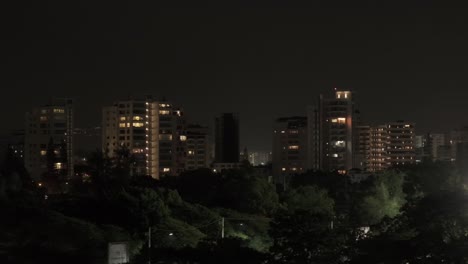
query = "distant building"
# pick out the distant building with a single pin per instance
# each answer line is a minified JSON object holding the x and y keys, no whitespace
{"x":331,"y":126}
{"x":154,"y":132}
{"x":462,"y":157}
{"x":377,"y":155}
{"x":12,"y":143}
{"x":244,"y":155}
{"x":400,"y":148}
{"x":290,"y":154}
{"x":444,"y":153}
{"x":227,"y":148}
{"x":371,"y":148}
{"x":420,"y":145}
{"x":457,"y":137}
{"x":134,"y":125}
{"x":172,"y":139}
{"x":198,"y":147}
{"x":259,"y":158}
{"x":219,"y":166}
{"x":434,"y":141}
{"x":48,"y":142}
{"x":362,"y":147}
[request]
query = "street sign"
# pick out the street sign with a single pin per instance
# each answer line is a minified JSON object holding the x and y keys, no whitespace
{"x":118,"y":253}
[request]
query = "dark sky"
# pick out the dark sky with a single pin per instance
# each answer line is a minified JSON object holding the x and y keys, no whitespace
{"x":262,"y":61}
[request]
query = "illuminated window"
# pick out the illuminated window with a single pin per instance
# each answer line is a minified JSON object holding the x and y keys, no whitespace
{"x":294,"y":169}
{"x":122,"y":118}
{"x":293,"y":131}
{"x":137,"y":118}
{"x":341,"y":120}
{"x":179,"y":113}
{"x":43,"y":118}
{"x":59,"y":110}
{"x":43,"y":152}
{"x":164,"y":112}
{"x":282,"y":132}
{"x":283,"y":169}
{"x":293,"y":147}
{"x":165,"y":137}
{"x":138,"y":124}
{"x":138,"y":150}
{"x":191,"y":152}
{"x":183,"y":138}
{"x":58,"y":166}
{"x":121,"y":124}
{"x":335,"y":155}
{"x":340,"y":143}
{"x":166,"y":169}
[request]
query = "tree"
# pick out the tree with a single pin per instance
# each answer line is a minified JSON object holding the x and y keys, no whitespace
{"x":13,"y":175}
{"x":248,"y":193}
{"x":306,"y":230}
{"x":384,"y":199}
{"x":309,"y":198}
{"x":173,"y":233}
{"x":304,"y":236}
{"x":434,"y":230}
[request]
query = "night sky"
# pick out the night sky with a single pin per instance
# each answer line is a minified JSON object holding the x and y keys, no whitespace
{"x":262,"y":61}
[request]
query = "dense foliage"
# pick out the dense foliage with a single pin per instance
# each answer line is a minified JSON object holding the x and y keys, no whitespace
{"x":418,"y":214}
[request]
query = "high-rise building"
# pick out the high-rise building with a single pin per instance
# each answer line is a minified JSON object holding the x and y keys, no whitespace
{"x":457,"y":138}
{"x":400,"y":146}
{"x":227,"y":148}
{"x":153,"y":131}
{"x":377,"y":157}
{"x":172,"y":139}
{"x":420,"y":145}
{"x":290,"y":155}
{"x":198,"y":147}
{"x":434,"y":141}
{"x":362,"y":146}
{"x":371,"y":148}
{"x":48,"y":143}
{"x":133,"y":125}
{"x":331,"y":126}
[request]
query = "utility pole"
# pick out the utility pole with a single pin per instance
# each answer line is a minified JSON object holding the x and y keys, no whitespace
{"x":222,"y":227}
{"x":149,"y":245}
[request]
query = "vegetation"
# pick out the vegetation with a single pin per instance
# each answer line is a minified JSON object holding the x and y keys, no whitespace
{"x":418,"y":214}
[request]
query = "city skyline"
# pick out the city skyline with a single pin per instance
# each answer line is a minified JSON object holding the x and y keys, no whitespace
{"x":261,"y":63}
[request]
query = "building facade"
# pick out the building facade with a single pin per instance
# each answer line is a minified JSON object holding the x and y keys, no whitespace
{"x":172,"y":139}
{"x":371,"y":148}
{"x":290,"y":154}
{"x":331,"y":125}
{"x":227,"y":142}
{"x":198,"y":147}
{"x":48,"y":140}
{"x":133,"y":125}
{"x":400,"y":143}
